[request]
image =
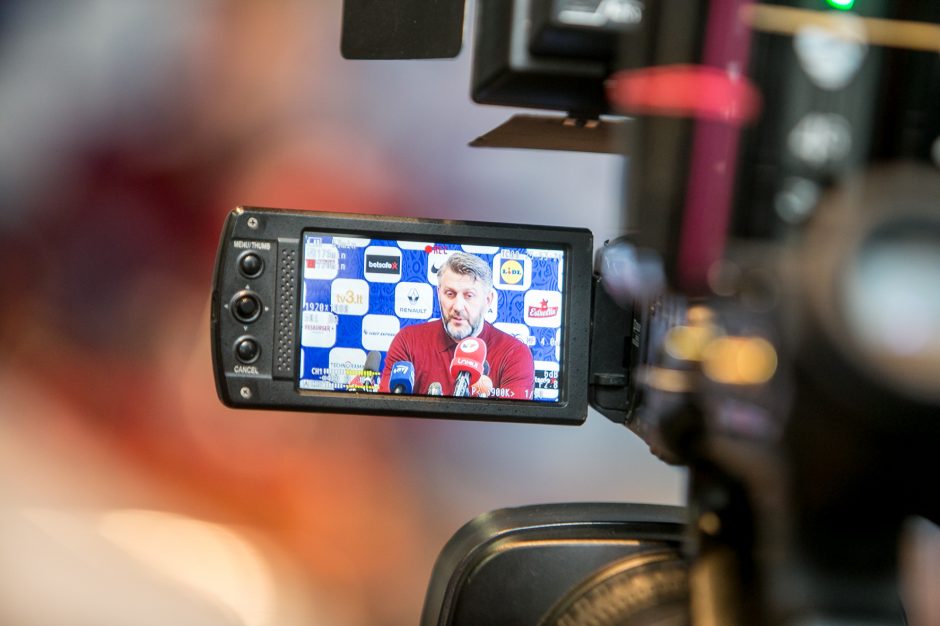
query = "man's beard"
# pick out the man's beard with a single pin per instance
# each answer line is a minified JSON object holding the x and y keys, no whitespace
{"x":465,"y":331}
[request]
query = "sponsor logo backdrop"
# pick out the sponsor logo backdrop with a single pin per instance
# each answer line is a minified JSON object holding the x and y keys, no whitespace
{"x":357,"y":293}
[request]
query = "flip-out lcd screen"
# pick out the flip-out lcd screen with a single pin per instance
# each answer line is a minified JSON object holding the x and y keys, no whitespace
{"x":367,"y":314}
{"x":430,"y":318}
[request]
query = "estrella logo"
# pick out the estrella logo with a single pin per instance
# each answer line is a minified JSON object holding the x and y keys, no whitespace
{"x":511,"y":272}
{"x":543,"y":310}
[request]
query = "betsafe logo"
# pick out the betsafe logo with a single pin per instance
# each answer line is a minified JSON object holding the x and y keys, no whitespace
{"x":382,"y":264}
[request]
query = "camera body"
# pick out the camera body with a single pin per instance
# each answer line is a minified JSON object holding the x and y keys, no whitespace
{"x":770,"y":321}
{"x":306,"y":305}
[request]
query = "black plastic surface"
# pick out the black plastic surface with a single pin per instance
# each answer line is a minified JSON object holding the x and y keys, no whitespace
{"x":508,"y":567}
{"x":615,"y":345}
{"x":583,"y":29}
{"x":552,"y":132}
{"x":403,"y":29}
{"x":506,"y":72}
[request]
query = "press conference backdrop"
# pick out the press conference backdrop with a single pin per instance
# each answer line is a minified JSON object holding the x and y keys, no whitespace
{"x":358,"y":293}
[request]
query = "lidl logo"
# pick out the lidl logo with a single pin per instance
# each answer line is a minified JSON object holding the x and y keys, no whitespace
{"x":511,"y":272}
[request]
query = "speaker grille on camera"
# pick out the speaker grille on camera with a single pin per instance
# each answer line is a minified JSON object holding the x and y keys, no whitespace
{"x":286,"y":316}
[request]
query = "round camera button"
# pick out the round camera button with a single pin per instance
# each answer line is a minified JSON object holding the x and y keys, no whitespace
{"x":247,"y":350}
{"x":250,"y":265}
{"x":246,"y":307}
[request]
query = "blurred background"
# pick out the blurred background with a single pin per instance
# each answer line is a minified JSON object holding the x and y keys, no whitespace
{"x":128,"y":493}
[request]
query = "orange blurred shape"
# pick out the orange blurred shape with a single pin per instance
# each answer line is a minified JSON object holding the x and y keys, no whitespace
{"x":696,"y":91}
{"x":740,"y":360}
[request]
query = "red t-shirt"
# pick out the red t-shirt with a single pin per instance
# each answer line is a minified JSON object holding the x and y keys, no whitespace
{"x":430,"y":349}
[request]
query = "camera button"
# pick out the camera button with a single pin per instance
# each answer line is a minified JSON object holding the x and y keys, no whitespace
{"x":246,"y":307}
{"x":250,"y":265}
{"x":247,"y":350}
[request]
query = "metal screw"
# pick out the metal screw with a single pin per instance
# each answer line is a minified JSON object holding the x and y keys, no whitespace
{"x":253,"y":223}
{"x":245,"y":393}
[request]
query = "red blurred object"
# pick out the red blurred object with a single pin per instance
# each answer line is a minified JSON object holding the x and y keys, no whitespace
{"x":696,"y":91}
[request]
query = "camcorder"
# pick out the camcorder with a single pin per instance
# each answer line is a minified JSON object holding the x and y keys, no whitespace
{"x":310,"y":304}
{"x":771,"y":319}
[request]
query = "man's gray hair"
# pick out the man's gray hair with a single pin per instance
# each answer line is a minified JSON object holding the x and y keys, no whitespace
{"x":468,"y":264}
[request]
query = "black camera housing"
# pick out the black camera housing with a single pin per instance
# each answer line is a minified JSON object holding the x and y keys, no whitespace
{"x":256,"y":325}
{"x":783,"y":474}
{"x":506,"y":567}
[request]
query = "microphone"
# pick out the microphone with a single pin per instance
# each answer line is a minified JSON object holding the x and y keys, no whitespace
{"x":435,"y":389}
{"x":373,"y":360}
{"x":367,"y":379}
{"x":467,"y":365}
{"x":402,"y":377}
{"x":372,"y":368}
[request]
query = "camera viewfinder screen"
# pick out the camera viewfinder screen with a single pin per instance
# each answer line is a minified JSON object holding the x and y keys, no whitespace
{"x":431,"y":318}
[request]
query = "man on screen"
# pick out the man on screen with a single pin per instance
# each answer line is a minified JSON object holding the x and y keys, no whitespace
{"x":503,"y":367}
